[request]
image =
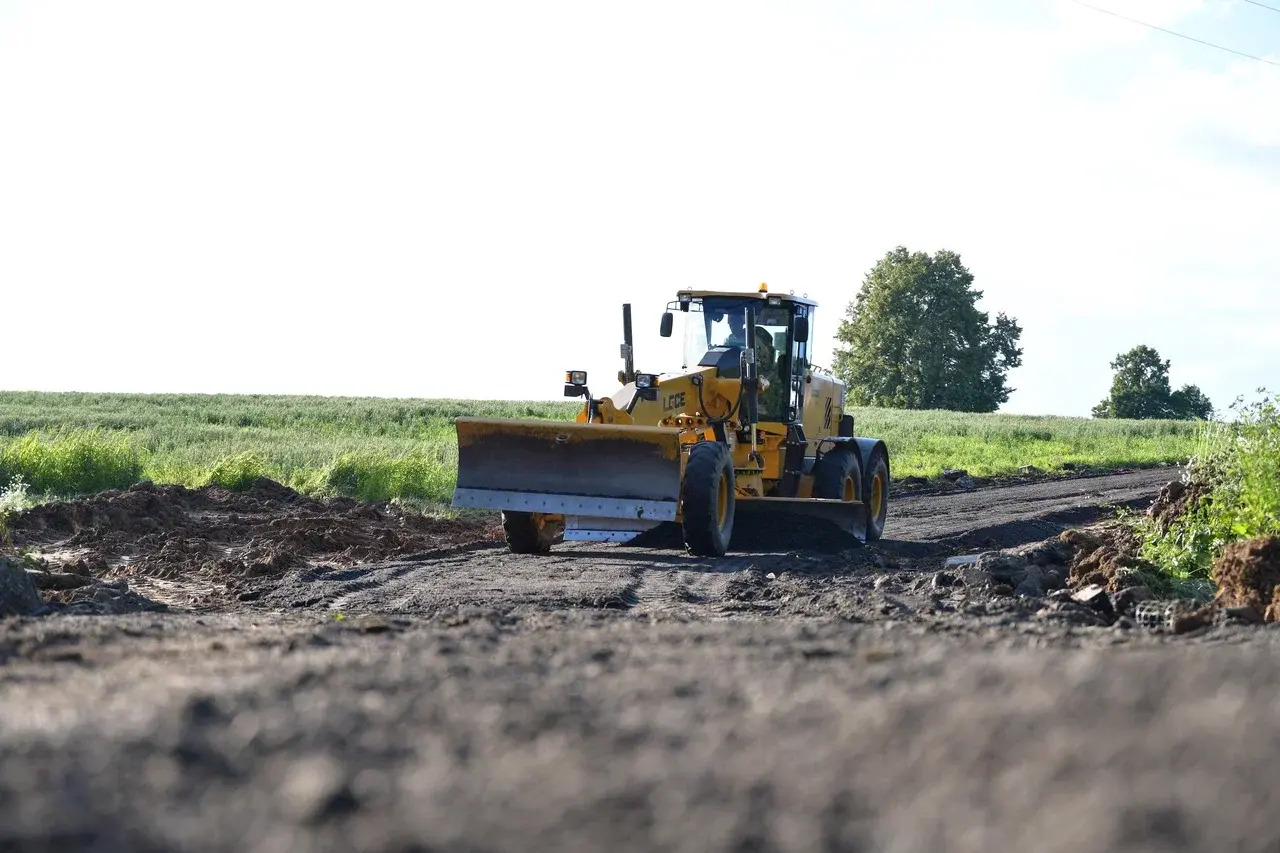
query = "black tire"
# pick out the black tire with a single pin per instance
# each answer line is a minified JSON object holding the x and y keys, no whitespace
{"x":877,"y":500}
{"x":707,"y":499}
{"x":529,"y":532}
{"x":838,"y":476}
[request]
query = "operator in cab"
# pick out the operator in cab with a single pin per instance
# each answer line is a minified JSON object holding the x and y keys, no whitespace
{"x":766,"y":358}
{"x":738,"y":338}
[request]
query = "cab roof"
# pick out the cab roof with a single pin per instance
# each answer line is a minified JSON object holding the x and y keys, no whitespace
{"x":748,"y":294}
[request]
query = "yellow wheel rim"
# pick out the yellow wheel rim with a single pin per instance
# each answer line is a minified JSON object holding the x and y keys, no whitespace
{"x":850,"y":490}
{"x":544,"y":527}
{"x":877,"y":495}
{"x":722,"y":500}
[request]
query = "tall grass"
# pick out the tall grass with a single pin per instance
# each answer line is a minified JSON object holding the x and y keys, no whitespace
{"x":240,"y":471}
{"x":374,"y":449}
{"x":379,"y":449}
{"x":426,"y":474}
{"x":1240,"y":463}
{"x":924,"y":443}
{"x":73,"y":461}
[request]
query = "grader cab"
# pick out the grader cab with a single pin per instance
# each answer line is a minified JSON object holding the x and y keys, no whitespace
{"x":747,"y":425}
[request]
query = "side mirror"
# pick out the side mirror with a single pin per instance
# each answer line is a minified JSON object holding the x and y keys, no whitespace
{"x":667,"y":320}
{"x":802,"y":329}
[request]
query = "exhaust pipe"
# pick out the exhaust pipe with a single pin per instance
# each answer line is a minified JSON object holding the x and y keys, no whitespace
{"x":628,"y":373}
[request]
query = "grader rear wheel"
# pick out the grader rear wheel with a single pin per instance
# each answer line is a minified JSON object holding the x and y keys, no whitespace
{"x":875,"y":488}
{"x":838,"y":476}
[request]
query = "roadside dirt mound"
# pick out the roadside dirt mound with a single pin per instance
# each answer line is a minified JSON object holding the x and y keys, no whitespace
{"x":144,"y":508}
{"x":1248,"y":575}
{"x":225,"y":539}
{"x":1108,"y":555}
{"x":1174,"y":500}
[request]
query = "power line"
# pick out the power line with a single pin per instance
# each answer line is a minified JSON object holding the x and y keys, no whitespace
{"x":1179,"y":35}
{"x":1263,"y":5}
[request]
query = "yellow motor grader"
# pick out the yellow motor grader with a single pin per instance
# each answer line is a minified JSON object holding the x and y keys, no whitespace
{"x":747,"y":425}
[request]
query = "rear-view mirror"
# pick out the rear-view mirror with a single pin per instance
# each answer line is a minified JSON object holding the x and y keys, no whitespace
{"x":802,"y":329}
{"x":667,"y":320}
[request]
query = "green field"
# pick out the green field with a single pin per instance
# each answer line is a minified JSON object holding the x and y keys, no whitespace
{"x":373,"y":448}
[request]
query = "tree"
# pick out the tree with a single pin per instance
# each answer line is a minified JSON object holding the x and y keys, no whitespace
{"x":1140,"y":389}
{"x":915,"y":339}
{"x":1191,"y":404}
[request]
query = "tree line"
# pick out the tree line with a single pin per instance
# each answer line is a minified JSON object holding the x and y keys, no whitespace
{"x":914,"y":338}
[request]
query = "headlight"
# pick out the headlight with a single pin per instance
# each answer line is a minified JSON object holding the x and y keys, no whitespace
{"x":575,"y":377}
{"x":646,"y":380}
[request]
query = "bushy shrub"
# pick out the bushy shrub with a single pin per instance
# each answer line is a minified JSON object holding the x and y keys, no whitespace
{"x":1236,"y":475}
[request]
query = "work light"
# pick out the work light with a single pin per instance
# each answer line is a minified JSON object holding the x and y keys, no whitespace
{"x":575,"y":377}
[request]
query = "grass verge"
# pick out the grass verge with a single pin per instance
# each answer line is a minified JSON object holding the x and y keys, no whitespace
{"x":381,"y":449}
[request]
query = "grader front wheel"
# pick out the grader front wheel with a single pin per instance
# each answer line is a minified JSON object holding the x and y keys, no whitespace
{"x":708,"y":500}
{"x":529,"y":532}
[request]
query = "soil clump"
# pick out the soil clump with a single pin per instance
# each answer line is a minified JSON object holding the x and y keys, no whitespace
{"x":1108,"y":555}
{"x":1248,"y":575}
{"x":1174,"y":500}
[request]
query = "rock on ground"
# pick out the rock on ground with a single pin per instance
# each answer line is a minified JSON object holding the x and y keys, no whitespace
{"x":18,"y":595}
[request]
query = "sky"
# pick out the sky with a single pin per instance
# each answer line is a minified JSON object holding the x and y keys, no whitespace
{"x":428,"y":199}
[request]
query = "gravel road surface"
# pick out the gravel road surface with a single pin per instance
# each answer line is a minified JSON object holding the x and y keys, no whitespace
{"x":628,"y":698}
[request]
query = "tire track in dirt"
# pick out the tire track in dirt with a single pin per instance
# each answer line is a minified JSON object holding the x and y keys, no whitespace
{"x":269,"y":547}
{"x":987,"y":511}
{"x":693,"y":591}
{"x":663,"y":580}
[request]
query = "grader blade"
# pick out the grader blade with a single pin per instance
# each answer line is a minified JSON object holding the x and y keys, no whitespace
{"x":849,"y":516}
{"x":571,"y":469}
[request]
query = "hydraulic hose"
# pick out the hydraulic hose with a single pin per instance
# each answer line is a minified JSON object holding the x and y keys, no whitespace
{"x":702,"y":406}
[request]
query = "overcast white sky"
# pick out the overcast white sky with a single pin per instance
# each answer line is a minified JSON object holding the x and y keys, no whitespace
{"x":453,"y":199}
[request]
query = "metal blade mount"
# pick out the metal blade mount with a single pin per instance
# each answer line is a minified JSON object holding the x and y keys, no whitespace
{"x":849,"y":516}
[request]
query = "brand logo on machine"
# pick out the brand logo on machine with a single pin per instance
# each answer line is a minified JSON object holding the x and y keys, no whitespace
{"x":673,"y":401}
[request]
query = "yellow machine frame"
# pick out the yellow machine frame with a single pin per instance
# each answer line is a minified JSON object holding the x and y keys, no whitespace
{"x":624,"y":466}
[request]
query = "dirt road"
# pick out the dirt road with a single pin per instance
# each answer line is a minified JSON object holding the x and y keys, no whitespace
{"x":627,"y":698}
